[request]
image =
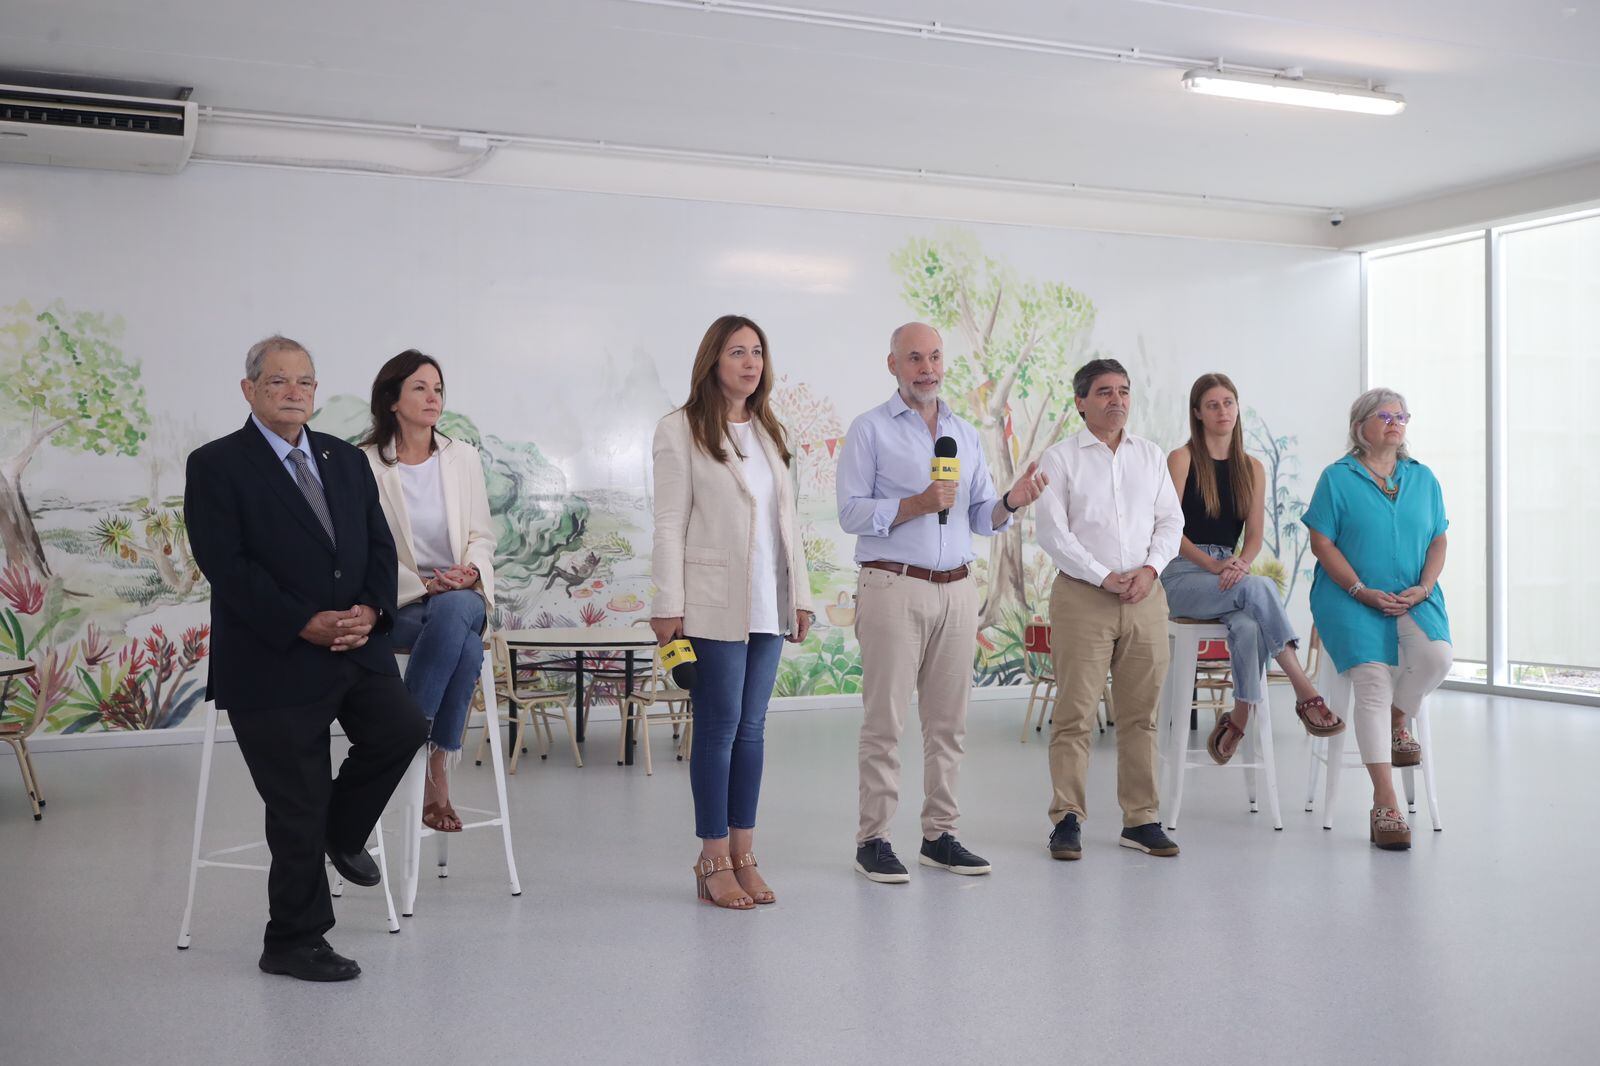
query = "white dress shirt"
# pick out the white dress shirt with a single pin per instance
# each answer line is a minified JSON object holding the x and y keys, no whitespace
{"x":1106,"y":511}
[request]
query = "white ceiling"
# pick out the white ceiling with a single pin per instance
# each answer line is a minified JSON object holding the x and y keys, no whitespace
{"x":1495,"y":90}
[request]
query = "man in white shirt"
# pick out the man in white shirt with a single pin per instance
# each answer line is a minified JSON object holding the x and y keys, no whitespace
{"x":1110,"y":521}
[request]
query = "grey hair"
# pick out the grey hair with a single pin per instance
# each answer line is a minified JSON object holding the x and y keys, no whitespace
{"x":1365,"y":407}
{"x":261,"y":349}
{"x":901,"y":331}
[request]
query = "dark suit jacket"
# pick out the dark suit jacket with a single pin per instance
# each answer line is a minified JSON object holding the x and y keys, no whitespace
{"x":271,"y":567}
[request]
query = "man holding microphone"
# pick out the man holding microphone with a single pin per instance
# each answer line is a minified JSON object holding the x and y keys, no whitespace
{"x":916,"y":601}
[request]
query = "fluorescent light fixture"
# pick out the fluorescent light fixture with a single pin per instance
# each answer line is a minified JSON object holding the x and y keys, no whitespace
{"x":1281,"y":90}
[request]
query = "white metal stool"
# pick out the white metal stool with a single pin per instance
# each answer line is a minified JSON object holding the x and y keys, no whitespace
{"x":410,"y":793}
{"x":198,"y":861}
{"x":1186,"y":635}
{"x":1330,"y":752}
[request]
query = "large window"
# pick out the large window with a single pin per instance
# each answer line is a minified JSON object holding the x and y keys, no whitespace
{"x":1426,"y":340}
{"x":1537,"y":622}
{"x":1552,"y":374}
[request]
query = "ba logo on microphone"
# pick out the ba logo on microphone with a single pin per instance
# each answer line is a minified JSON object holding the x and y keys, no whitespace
{"x":677,"y":653}
{"x":945,"y":470}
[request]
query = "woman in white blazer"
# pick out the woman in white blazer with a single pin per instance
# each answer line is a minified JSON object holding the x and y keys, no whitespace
{"x":730,"y":574}
{"x":433,"y":494}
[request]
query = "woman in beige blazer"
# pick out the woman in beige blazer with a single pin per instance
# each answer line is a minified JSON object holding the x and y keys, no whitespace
{"x":730,"y":574}
{"x":433,"y":494}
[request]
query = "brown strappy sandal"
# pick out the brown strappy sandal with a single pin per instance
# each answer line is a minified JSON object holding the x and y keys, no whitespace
{"x":1303,"y":709}
{"x":1389,"y":830}
{"x":765,"y":895}
{"x":1219,"y":736}
{"x":733,"y":901}
{"x":441,"y":818}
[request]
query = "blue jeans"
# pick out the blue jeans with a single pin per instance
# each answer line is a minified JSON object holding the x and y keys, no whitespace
{"x":733,"y":683}
{"x":1258,"y":626}
{"x":445,"y":635}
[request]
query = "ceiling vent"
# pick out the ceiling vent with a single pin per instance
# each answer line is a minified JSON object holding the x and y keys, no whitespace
{"x":108,"y":131}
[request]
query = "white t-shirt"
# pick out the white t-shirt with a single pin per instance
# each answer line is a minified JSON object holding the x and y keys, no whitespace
{"x":430,"y":529}
{"x":764,"y":572}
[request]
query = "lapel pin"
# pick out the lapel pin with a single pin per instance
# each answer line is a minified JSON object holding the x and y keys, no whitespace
{"x":324,"y":455}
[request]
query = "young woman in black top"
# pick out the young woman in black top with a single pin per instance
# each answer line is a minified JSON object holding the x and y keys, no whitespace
{"x":1224,"y":498}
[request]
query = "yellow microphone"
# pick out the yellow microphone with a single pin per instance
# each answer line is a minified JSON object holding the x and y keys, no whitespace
{"x":677,"y":656}
{"x":946,"y":467}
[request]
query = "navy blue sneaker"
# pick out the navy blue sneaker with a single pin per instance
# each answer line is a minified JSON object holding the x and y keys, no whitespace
{"x":875,"y":860}
{"x":1066,"y":840}
{"x":947,"y":854}
{"x":1149,"y":839}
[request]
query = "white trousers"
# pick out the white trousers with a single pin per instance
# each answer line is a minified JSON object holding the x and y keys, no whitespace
{"x":1375,"y":687}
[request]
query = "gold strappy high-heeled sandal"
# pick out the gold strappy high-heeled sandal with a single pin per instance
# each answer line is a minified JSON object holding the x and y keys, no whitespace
{"x":733,"y":901}
{"x":748,"y":859}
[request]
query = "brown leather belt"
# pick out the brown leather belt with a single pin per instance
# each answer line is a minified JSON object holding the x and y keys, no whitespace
{"x":938,"y":577}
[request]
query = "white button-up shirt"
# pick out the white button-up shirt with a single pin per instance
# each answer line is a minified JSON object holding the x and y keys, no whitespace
{"x":1107,"y":511}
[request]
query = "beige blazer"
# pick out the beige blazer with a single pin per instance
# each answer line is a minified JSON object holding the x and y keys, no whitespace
{"x":466,"y":502}
{"x":704,"y":531}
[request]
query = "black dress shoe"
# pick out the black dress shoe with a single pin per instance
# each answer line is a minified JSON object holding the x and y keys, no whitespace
{"x":310,"y":962}
{"x":355,"y":866}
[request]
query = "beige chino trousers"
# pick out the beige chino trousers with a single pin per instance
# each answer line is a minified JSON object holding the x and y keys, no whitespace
{"x":1092,"y":631}
{"x":916,"y":637}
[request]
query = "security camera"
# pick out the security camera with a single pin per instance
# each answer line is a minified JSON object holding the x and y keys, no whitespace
{"x":1336,"y":218}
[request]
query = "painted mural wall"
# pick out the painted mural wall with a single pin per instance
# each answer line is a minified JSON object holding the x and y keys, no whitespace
{"x":566,"y":324}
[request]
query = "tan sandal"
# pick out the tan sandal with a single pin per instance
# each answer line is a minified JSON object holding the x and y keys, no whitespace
{"x":1403,"y":747}
{"x":748,"y":859}
{"x":733,"y":901}
{"x":1303,"y":709}
{"x":441,"y":818}
{"x":1225,"y":727}
{"x":1389,"y":829}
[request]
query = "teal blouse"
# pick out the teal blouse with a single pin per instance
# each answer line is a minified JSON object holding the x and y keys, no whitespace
{"x":1385,"y":542}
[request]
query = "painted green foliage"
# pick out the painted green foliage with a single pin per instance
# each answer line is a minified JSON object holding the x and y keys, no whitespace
{"x":67,"y":384}
{"x":1019,"y":341}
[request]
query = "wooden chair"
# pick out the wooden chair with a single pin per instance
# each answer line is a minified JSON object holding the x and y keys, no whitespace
{"x":659,"y":701}
{"x":535,"y":703}
{"x":1040,"y":670}
{"x":13,"y":672}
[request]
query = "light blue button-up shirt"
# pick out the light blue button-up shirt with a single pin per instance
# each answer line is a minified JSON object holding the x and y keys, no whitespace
{"x":283,"y":447}
{"x":887,"y":457}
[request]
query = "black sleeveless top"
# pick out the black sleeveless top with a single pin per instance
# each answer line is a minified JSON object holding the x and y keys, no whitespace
{"x":1200,"y":527}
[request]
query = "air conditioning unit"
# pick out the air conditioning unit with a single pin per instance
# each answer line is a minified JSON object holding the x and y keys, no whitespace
{"x":71,"y":128}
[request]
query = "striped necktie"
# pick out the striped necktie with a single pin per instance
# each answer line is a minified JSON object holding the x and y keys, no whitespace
{"x":312,"y":491}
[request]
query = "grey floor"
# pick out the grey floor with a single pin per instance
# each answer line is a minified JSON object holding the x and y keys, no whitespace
{"x":1480,"y":945}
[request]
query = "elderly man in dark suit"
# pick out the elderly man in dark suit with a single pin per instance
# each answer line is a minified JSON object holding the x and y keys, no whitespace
{"x":285,"y":524}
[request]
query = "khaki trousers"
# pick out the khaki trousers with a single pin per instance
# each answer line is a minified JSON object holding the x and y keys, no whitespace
{"x":919,"y":637}
{"x":1091,"y":631}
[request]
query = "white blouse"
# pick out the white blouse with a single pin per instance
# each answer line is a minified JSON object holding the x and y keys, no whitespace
{"x":764,"y":572}
{"x":430,"y":529}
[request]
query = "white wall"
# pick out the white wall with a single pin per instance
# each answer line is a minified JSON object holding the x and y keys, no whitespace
{"x":567,"y":321}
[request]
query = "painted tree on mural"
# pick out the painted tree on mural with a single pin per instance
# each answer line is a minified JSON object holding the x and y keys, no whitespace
{"x":1020,"y":340}
{"x":68,"y":385}
{"x":1285,"y":535}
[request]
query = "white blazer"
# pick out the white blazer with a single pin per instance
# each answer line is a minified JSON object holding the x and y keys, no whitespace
{"x":704,"y":528}
{"x":466,"y":503}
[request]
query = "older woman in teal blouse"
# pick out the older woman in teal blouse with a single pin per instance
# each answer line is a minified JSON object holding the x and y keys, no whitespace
{"x":1377,"y":527}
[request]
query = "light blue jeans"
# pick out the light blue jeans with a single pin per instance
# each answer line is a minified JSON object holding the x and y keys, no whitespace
{"x":445,"y":635}
{"x":1258,"y":626}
